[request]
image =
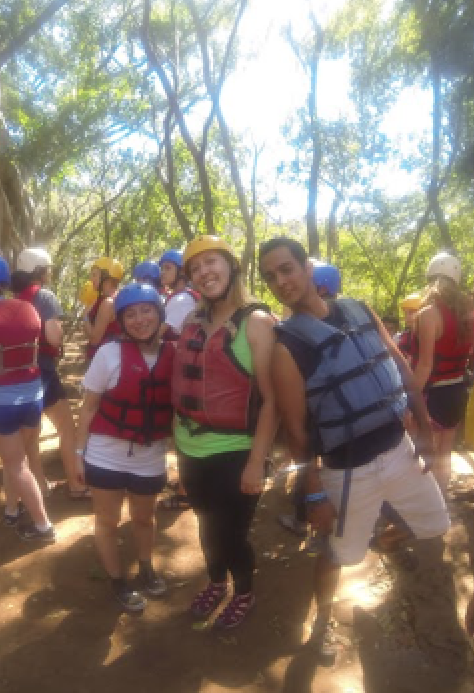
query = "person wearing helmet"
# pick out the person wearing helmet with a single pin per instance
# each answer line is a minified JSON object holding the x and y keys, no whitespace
{"x":124,"y":424}
{"x":29,"y":283}
{"x":181,"y":299}
{"x":225,"y":420}
{"x":21,"y":402}
{"x":410,"y":305}
{"x":100,"y":325}
{"x":340,"y":385}
{"x":327,"y":280}
{"x":444,"y":341}
{"x":148,"y":272}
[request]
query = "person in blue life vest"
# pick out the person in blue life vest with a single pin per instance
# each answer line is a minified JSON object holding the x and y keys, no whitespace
{"x":123,"y":429}
{"x":21,"y":402}
{"x":444,"y":341}
{"x":100,"y":323}
{"x":30,"y":283}
{"x":341,"y":388}
{"x":181,"y":298}
{"x":327,"y":280}
{"x":225,"y":421}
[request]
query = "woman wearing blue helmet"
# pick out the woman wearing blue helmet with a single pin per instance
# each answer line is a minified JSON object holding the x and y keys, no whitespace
{"x":123,"y":428}
{"x":181,"y":299}
{"x":148,"y":272}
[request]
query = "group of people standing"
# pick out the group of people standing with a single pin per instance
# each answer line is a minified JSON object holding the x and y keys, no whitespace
{"x":184,"y":350}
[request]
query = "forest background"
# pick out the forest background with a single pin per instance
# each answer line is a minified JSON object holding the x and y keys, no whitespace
{"x":115,"y":140}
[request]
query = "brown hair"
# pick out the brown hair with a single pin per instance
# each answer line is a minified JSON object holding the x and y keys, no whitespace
{"x":445,"y":290}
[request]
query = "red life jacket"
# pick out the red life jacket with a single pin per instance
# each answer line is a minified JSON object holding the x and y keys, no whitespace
{"x":450,"y":353}
{"x":138,"y":408}
{"x":209,"y":385}
{"x":20,"y":330}
{"x":45,"y":348}
{"x":112,"y":331}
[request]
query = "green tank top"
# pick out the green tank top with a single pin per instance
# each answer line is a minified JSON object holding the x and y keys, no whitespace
{"x":213,"y":442}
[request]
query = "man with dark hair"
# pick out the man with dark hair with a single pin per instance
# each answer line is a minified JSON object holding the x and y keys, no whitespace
{"x":338,"y":384}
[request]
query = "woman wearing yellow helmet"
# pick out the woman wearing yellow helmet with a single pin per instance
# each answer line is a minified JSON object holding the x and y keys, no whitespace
{"x":225,"y":420}
{"x":100,"y":325}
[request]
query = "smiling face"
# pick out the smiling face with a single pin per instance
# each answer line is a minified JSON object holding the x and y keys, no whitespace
{"x":141,"y":321}
{"x":210,"y":273}
{"x":288,"y":280}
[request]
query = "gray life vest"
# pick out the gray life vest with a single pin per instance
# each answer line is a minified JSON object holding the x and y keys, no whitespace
{"x":356,"y":386}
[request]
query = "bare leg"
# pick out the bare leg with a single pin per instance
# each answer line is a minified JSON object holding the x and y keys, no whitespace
{"x":108,"y":509}
{"x":143,"y":524}
{"x":60,"y":415}
{"x":21,"y":481}
{"x":326,"y":579}
{"x":444,"y":441}
{"x":31,"y":441}
{"x":11,"y":495}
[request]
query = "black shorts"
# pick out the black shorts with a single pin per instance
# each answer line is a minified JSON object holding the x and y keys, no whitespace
{"x":447,"y":404}
{"x":53,"y":388}
{"x":110,"y":480}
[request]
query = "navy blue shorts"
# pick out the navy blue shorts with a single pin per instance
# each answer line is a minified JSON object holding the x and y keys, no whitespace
{"x":110,"y":480}
{"x":53,"y":388}
{"x":15,"y":416}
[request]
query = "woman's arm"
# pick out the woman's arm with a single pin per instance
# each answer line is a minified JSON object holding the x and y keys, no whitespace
{"x":105,"y":315}
{"x":426,"y":325}
{"x":53,"y":331}
{"x":89,"y":407}
{"x":261,"y":340}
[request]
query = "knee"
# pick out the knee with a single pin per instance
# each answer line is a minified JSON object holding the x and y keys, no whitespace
{"x":107,"y":522}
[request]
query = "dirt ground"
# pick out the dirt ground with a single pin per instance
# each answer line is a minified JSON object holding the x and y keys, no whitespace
{"x":397,"y":632}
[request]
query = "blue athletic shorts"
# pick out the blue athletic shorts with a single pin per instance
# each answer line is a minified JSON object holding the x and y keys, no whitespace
{"x":110,"y":480}
{"x":15,"y":416}
{"x":53,"y":388}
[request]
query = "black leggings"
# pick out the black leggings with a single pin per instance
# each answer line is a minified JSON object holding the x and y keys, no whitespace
{"x":224,"y":513}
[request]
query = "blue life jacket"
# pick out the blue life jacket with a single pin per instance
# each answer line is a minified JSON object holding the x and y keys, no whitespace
{"x":356,"y":386}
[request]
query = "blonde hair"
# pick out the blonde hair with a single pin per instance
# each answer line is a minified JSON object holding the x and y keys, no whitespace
{"x":460,"y":303}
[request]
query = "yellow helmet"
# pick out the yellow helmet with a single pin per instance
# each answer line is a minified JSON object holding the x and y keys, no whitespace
{"x":113,"y":267}
{"x":88,"y":295}
{"x":202,"y":243}
{"x":412,"y":301}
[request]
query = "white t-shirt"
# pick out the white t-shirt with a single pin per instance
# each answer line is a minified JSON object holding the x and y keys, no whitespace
{"x":113,"y":453}
{"x":177,"y":309}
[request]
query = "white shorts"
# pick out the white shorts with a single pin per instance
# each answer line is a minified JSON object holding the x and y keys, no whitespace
{"x":396,"y":477}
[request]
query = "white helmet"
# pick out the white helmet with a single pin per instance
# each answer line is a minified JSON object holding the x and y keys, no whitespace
{"x":31,"y":258}
{"x":444,"y":265}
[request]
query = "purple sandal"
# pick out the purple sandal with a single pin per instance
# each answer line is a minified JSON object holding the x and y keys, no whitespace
{"x":236,"y":610}
{"x":208,"y":599}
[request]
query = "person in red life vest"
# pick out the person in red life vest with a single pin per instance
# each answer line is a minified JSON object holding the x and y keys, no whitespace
{"x":100,"y":324}
{"x":21,"y":402}
{"x":123,"y":429}
{"x":181,"y":298}
{"x":225,"y":421}
{"x":29,"y":283}
{"x":444,"y":342}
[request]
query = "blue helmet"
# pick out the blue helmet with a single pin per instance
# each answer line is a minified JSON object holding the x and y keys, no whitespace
{"x":172,"y":255}
{"x":139,"y":293}
{"x":4,"y":272}
{"x":327,"y":276}
{"x":148,"y":269}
